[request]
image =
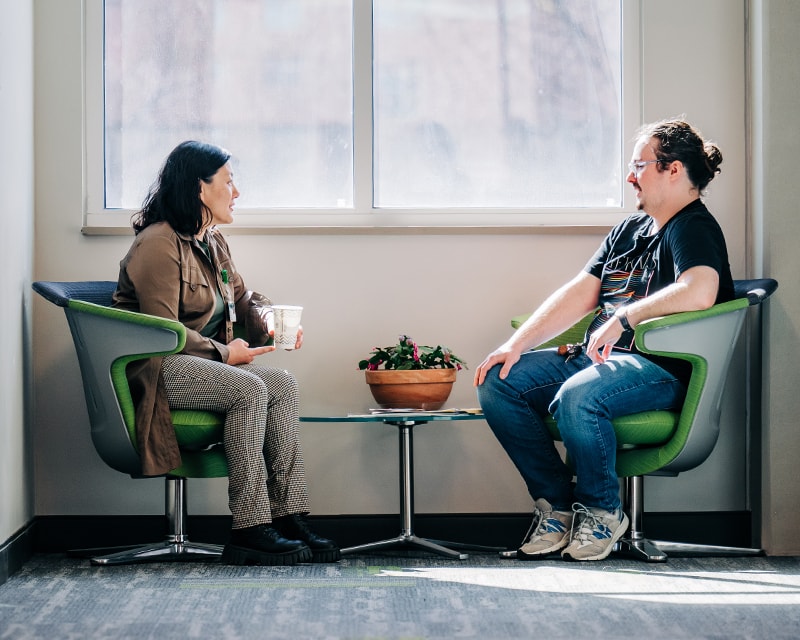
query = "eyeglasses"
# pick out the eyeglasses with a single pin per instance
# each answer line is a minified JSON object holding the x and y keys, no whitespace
{"x":636,"y":167}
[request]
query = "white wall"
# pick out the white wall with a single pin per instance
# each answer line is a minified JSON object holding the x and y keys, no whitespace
{"x":363,"y":290}
{"x":16,"y":249}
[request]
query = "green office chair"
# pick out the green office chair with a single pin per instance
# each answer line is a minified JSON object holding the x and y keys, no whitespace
{"x":106,"y":341}
{"x":666,"y":443}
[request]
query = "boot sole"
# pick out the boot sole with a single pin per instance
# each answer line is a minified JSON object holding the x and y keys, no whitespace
{"x":326,"y":555}
{"x":241,"y":556}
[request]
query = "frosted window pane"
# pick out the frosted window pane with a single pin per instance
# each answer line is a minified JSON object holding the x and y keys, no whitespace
{"x":269,"y":80}
{"x":508,"y":103}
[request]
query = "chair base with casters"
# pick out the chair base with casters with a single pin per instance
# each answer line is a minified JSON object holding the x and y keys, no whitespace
{"x":106,"y":341}
{"x":665,"y":443}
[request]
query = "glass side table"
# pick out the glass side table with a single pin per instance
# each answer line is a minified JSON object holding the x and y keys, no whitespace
{"x":405,"y":423}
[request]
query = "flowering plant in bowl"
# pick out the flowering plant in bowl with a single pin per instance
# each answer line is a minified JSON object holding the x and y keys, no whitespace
{"x":408,"y":375}
{"x":408,"y":355}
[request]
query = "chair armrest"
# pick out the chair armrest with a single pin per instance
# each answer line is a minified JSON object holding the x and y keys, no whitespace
{"x":756,"y":291}
{"x":677,"y":336}
{"x":148,"y":348}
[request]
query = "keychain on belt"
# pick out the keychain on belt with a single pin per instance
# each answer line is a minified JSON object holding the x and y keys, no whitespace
{"x":570,"y":351}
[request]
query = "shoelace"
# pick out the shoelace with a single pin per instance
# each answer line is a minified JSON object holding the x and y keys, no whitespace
{"x":588,"y":523}
{"x":536,"y":523}
{"x":301,"y":527}
{"x":539,"y":524}
{"x":582,"y":515}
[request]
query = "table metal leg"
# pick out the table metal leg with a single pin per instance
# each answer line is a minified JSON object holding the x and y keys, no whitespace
{"x":407,"y":537}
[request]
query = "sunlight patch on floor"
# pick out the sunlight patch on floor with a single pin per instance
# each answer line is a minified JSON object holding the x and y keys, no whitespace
{"x":679,"y":587}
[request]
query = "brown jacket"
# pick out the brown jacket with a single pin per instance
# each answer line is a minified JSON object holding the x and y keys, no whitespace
{"x":168,"y":274}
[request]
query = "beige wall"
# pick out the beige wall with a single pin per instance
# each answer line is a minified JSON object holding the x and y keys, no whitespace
{"x":363,"y":290}
{"x":16,"y":248}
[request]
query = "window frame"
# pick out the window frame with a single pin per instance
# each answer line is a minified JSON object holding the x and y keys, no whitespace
{"x":363,"y":216}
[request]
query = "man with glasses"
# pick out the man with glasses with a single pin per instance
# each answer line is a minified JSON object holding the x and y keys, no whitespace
{"x":668,"y":257}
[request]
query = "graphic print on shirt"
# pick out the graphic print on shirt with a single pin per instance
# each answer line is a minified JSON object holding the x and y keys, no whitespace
{"x":626,"y":279}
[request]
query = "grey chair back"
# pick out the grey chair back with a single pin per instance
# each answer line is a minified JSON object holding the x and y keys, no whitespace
{"x":100,"y":339}
{"x":714,"y":338}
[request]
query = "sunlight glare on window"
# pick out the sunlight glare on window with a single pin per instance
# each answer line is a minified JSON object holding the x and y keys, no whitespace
{"x":510,"y":103}
{"x":269,"y":80}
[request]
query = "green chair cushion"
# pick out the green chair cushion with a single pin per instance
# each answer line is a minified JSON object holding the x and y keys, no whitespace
{"x":640,"y":437}
{"x":638,"y":429}
{"x":199,"y":434}
{"x":196,"y":430}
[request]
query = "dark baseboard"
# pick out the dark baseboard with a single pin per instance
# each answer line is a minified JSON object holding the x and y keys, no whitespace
{"x":59,"y":534}
{"x":16,"y":551}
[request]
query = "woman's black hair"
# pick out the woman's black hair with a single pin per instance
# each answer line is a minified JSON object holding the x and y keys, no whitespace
{"x":175,"y":195}
{"x":678,"y":140}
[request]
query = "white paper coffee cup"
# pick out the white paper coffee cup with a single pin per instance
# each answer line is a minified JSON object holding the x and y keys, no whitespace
{"x":287,"y":322}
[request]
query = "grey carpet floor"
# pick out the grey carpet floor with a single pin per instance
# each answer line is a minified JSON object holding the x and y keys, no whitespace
{"x":406,"y":595}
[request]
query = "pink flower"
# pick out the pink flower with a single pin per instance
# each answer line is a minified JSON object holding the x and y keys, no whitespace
{"x":416,"y":353}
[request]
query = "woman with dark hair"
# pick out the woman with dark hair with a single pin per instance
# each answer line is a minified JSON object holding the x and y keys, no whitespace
{"x":180,"y":267}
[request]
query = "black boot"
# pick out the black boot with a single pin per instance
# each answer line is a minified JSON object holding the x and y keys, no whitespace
{"x":263,"y":545}
{"x":295,"y":526}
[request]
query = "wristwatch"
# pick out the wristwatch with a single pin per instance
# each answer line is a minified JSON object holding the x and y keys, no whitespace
{"x":623,"y":320}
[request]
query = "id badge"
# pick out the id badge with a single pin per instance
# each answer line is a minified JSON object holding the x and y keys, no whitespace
{"x":228,"y":297}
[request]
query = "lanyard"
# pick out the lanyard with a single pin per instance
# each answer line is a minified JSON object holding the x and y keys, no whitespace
{"x":225,"y":289}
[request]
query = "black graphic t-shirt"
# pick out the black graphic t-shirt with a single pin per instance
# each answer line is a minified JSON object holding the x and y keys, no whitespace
{"x":633,"y":262}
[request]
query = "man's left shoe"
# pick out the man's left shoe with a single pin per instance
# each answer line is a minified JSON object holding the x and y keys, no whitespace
{"x":296,"y":527}
{"x":594,"y":533}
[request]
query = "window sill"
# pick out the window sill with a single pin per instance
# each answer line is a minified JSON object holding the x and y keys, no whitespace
{"x":390,"y":222}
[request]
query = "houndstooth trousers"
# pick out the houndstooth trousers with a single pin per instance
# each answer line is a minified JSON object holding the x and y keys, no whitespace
{"x":266,"y":476}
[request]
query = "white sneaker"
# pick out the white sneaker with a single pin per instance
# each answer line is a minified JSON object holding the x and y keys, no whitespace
{"x":549,"y":532}
{"x":595,"y":533}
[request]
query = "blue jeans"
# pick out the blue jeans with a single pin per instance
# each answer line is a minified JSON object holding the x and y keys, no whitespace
{"x":584,"y":398}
